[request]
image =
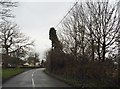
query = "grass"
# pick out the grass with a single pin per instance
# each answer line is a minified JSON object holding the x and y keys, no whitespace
{"x":79,"y":83}
{"x":10,"y":72}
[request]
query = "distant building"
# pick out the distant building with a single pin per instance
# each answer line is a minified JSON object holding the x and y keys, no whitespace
{"x":26,"y":64}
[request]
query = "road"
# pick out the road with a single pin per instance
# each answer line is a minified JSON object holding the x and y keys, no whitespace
{"x":34,"y":78}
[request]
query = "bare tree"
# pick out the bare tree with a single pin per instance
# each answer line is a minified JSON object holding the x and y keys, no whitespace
{"x":73,"y":33}
{"x":75,"y":36}
{"x":94,"y":25}
{"x":105,"y":25}
{"x":5,"y":8}
{"x":13,"y":41}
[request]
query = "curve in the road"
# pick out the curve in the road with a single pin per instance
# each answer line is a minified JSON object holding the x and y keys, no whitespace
{"x":34,"y":78}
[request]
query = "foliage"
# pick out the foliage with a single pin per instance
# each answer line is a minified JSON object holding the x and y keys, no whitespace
{"x":9,"y":61}
{"x":33,"y":58}
{"x":54,"y":61}
{"x":78,"y":83}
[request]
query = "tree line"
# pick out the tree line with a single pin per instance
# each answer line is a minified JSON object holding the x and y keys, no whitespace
{"x":90,"y":43}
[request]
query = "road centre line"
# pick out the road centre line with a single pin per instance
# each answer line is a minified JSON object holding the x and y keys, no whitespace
{"x":33,"y":83}
{"x":33,"y":73}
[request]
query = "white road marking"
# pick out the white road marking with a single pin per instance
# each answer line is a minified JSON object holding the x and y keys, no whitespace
{"x":33,"y":83}
{"x":32,"y":75}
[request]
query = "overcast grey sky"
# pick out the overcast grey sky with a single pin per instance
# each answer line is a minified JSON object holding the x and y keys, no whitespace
{"x":36,"y":18}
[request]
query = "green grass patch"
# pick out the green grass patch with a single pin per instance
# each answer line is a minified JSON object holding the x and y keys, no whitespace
{"x":10,"y":72}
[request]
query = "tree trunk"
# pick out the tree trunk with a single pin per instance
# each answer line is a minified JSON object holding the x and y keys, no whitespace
{"x":75,"y":50}
{"x":93,"y":55}
{"x":98,"y":50}
{"x":103,"y":49}
{"x":92,"y":46}
{"x":6,"y":48}
{"x":83,"y":33}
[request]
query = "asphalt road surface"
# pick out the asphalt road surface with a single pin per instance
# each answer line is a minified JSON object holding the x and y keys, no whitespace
{"x":34,"y":78}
